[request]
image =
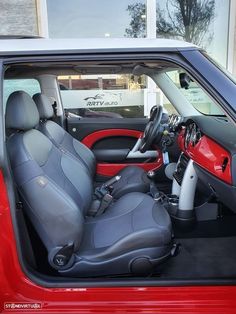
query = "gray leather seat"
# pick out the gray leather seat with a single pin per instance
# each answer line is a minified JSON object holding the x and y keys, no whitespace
{"x":133,"y":236}
{"x":133,"y":179}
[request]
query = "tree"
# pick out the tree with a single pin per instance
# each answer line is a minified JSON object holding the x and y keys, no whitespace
{"x":186,"y":19}
{"x":183,"y":19}
{"x":137,"y":24}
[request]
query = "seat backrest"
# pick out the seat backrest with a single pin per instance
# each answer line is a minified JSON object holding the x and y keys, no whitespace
{"x":55,"y":188}
{"x":60,"y":137}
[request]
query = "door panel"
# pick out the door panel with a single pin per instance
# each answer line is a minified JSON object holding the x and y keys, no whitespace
{"x":81,"y":127}
{"x":108,"y":169}
{"x":121,"y":142}
{"x":114,"y":139}
{"x":112,"y":134}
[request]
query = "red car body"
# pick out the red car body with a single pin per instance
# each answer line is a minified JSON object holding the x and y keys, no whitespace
{"x":17,"y":290}
{"x":19,"y":293}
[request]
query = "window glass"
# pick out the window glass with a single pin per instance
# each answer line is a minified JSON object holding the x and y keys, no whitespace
{"x":31,"y":86}
{"x":202,"y":22}
{"x":96,"y":18}
{"x":197,"y":97}
{"x":110,"y":96}
{"x":168,"y":107}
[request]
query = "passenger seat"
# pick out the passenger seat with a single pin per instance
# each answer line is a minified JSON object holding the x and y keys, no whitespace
{"x":133,"y":236}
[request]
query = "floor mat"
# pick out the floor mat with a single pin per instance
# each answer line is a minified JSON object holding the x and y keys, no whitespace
{"x":223,"y":227}
{"x":203,"y":258}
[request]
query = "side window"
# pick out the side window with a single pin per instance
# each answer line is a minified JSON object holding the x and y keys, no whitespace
{"x":194,"y":93}
{"x":168,"y":107}
{"x":103,"y":96}
{"x":31,"y":86}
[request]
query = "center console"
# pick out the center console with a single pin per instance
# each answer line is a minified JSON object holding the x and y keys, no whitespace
{"x":180,"y":203}
{"x":181,"y":168}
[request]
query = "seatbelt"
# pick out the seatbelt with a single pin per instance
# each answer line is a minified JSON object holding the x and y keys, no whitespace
{"x":106,"y":201}
{"x":156,"y":194}
{"x":54,"y":107}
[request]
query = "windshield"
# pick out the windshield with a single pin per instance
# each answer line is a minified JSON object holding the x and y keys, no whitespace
{"x":219,"y":66}
{"x":194,"y":93}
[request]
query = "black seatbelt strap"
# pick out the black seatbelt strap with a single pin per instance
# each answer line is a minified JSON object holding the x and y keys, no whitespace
{"x":102,"y":197}
{"x":54,"y":107}
{"x":105,"y":203}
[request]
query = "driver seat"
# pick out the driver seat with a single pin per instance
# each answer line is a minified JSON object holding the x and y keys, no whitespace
{"x":132,"y":178}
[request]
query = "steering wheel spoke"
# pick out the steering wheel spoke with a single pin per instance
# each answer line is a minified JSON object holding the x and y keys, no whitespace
{"x":151,"y":129}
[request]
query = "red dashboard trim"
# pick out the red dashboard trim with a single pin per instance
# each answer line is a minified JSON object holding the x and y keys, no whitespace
{"x":210,"y":156}
{"x":96,"y":136}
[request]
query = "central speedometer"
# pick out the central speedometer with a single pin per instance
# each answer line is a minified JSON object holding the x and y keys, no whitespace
{"x":192,"y":135}
{"x":187,"y":136}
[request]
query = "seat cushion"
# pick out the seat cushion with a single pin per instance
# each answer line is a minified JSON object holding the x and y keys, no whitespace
{"x":133,"y":179}
{"x":134,"y":225}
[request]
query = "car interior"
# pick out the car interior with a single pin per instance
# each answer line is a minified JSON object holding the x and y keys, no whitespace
{"x":102,"y":195}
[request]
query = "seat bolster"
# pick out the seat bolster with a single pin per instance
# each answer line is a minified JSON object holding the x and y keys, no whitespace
{"x":142,"y":239}
{"x":133,"y":179}
{"x":55,"y":216}
{"x":85,"y":154}
{"x":53,"y":131}
{"x":44,"y":106}
{"x":64,"y":141}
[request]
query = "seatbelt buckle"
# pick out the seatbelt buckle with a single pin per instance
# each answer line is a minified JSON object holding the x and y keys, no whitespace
{"x":105,"y":202}
{"x":100,"y":192}
{"x":105,"y":188}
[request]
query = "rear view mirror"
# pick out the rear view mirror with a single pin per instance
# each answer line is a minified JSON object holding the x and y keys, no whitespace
{"x":184,"y":80}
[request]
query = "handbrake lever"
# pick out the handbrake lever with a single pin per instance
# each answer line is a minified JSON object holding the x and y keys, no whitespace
{"x":111,"y":181}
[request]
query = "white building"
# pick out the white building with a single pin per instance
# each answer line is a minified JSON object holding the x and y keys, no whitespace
{"x":207,"y":23}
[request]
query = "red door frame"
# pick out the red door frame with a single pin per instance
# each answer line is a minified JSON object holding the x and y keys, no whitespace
{"x":111,"y":169}
{"x":16,"y":287}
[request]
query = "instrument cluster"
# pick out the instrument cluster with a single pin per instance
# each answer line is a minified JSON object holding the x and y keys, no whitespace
{"x":192,"y":135}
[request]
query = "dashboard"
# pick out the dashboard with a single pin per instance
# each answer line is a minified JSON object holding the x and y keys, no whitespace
{"x":205,"y":152}
{"x":211,"y":143}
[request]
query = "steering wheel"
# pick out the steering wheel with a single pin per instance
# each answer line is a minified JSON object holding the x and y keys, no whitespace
{"x":151,"y":129}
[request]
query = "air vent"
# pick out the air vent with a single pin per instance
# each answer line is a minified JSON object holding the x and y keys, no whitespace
{"x":197,"y":136}
{"x":181,"y":167}
{"x":222,"y":119}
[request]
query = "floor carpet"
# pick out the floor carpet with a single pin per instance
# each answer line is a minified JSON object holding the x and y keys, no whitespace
{"x":203,"y":258}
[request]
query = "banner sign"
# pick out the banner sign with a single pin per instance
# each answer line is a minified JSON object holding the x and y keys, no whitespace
{"x":73,"y":99}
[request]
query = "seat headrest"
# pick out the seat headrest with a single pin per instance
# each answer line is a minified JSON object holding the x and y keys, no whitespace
{"x":21,"y":112}
{"x":44,"y":106}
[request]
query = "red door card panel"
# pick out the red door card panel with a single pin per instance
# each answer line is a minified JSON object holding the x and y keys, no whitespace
{"x":96,"y":136}
{"x":111,"y":169}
